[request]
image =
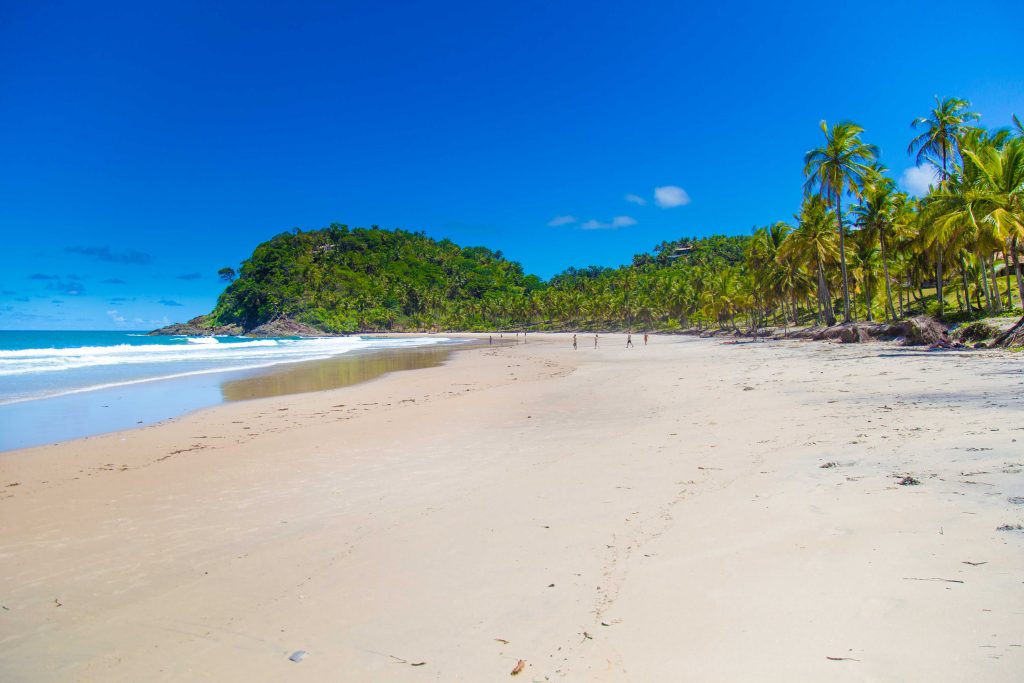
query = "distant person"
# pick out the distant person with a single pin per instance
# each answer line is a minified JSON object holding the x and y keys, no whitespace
{"x":595,"y":341}
{"x":645,"y":339}
{"x":629,"y":341}
{"x":490,"y":340}
{"x":574,"y":342}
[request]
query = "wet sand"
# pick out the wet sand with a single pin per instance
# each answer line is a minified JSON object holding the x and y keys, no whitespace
{"x":685,"y":511}
{"x":88,"y":413}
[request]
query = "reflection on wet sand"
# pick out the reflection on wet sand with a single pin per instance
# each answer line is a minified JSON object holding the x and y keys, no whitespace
{"x":331,"y":373}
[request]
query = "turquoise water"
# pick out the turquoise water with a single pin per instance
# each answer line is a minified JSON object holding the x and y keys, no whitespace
{"x":63,"y":339}
{"x":59,"y":385}
{"x":36,"y":365}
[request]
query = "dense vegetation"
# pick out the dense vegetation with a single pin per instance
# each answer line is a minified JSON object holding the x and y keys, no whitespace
{"x":857,"y":248}
{"x":343,"y":280}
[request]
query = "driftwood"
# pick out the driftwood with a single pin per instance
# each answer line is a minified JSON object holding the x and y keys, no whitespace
{"x":1012,"y":337}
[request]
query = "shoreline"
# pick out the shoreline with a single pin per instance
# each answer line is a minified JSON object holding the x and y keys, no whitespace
{"x":92,"y":411}
{"x":731,"y":511}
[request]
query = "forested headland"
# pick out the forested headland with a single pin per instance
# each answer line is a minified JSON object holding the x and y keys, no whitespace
{"x":857,"y":248}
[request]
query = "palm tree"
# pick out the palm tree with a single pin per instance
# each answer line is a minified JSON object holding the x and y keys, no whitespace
{"x":1002,"y":189}
{"x":866,"y":257}
{"x":813,"y":242}
{"x":836,"y":169}
{"x":875,"y":215}
{"x":765,"y":267}
{"x":936,"y":144}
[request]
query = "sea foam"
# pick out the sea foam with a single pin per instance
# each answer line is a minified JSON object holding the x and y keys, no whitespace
{"x":39,"y":372}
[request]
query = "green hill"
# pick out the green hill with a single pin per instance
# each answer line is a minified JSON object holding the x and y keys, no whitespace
{"x":340,"y":279}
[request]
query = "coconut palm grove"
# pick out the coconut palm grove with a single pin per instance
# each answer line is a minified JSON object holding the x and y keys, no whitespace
{"x":856,"y":249}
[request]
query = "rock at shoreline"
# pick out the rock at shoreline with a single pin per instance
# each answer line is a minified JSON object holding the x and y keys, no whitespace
{"x":199,"y":327}
{"x":919,"y":331}
{"x":285,"y":327}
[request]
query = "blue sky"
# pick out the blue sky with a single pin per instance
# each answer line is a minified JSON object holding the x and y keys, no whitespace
{"x":146,"y":145}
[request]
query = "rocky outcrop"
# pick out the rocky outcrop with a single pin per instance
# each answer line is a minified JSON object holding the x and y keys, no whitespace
{"x":199,"y":327}
{"x":919,"y":331}
{"x":847,"y":333}
{"x":285,"y":327}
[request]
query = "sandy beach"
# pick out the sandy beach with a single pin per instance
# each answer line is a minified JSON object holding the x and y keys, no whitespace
{"x":689,"y":510}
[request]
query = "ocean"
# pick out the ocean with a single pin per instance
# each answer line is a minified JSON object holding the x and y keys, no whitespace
{"x":64,"y":384}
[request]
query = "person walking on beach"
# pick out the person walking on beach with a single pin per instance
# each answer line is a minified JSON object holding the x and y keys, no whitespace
{"x":490,"y":340}
{"x":595,"y":341}
{"x":629,"y":341}
{"x":645,"y":339}
{"x":574,"y":342}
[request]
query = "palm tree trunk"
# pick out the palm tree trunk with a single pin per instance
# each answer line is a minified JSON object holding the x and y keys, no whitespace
{"x":1006,"y":269}
{"x":984,"y":284}
{"x":995,"y":285}
{"x":890,"y":312}
{"x":842,"y":259}
{"x":963,"y":276}
{"x":824,"y":297}
{"x":1016,"y":269}
{"x":938,"y":279}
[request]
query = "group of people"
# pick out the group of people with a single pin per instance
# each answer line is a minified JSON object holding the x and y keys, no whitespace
{"x":629,"y":341}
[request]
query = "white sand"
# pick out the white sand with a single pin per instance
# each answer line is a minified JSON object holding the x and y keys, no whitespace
{"x":614,"y":515}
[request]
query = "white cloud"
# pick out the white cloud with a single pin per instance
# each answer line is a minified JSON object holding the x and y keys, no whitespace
{"x":561,"y":220}
{"x":916,"y":179}
{"x":670,"y":196}
{"x":115,"y":316}
{"x":617,"y":222}
{"x":636,"y":199}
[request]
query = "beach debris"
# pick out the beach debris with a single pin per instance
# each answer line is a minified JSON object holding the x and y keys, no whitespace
{"x":828,"y":465}
{"x":1010,"y":527}
{"x":586,"y":637}
{"x":748,"y":388}
{"x":974,"y":564}
{"x":914,"y":578}
{"x":502,"y":641}
{"x":908,"y":480}
{"x":520,"y":665}
{"x":298,"y":655}
{"x":58,"y":603}
{"x":417,"y":663}
{"x":841,"y":659}
{"x":1016,"y":500}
